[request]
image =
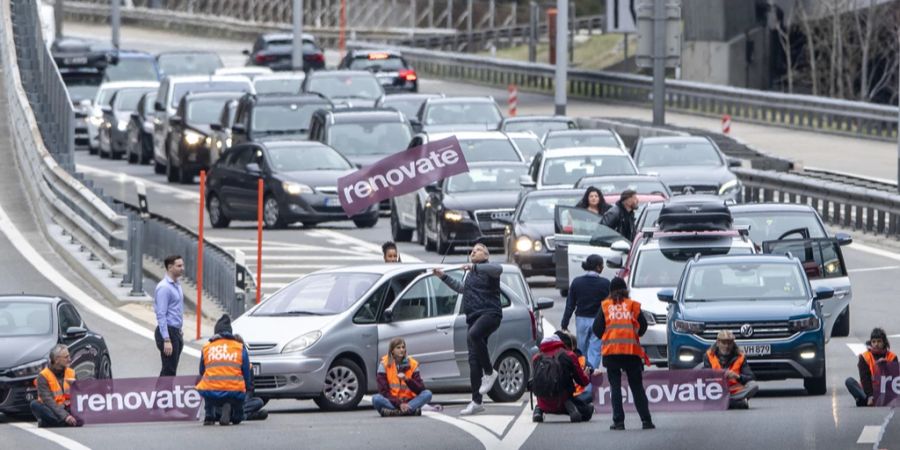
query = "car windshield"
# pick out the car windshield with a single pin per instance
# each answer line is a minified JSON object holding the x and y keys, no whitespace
{"x":538,"y":127}
{"x":663,"y":267}
{"x":128,"y":99}
{"x":581,"y":140}
{"x":279,"y":45}
{"x":745,"y":281}
{"x":478,"y":150}
{"x":318,"y":294}
{"x":285,"y":117}
{"x":386,"y":64}
{"x":278,"y":85}
{"x":189,"y":63}
{"x":205,"y":111}
{"x":771,"y":225}
{"x":479,"y":179}
{"x":78,"y":92}
{"x":678,"y":154}
{"x":463,"y":113}
{"x":181,"y":89}
{"x":529,"y":146}
{"x":369,"y":138}
{"x":104,"y":95}
{"x":541,"y":208}
{"x":569,"y":169}
{"x":337,"y":85}
{"x":295,"y":159}
{"x":22,"y":318}
{"x":610,"y":187}
{"x":408,"y":106}
{"x":128,"y":69}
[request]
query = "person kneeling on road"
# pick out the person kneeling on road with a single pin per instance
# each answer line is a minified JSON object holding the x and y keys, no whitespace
{"x":52,"y":407}
{"x":556,"y":372}
{"x":724,"y":354}
{"x":401,"y":391}
{"x":225,"y":375}
{"x":878,"y":353}
{"x":253,"y":405}
{"x":582,"y":393}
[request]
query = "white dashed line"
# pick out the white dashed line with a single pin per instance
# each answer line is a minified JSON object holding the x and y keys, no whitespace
{"x":873,"y":269}
{"x":62,"y":441}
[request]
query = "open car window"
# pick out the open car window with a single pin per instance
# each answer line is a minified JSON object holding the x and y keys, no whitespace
{"x":820,"y":258}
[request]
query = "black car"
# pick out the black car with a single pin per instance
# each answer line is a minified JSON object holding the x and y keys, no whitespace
{"x":391,"y":69}
{"x":472,"y":206}
{"x":139,"y":147}
{"x":300,"y":185}
{"x":454,"y":114}
{"x":267,"y":115}
{"x":221,"y":130}
{"x":346,"y":88}
{"x":75,"y":53}
{"x":30,"y":325}
{"x":408,"y":104}
{"x":189,"y":137}
{"x":116,"y":118}
{"x":362,"y":135}
{"x":275,"y":51}
{"x":529,"y":242}
{"x":194,"y":62}
{"x":539,"y":125}
{"x":689,"y":165}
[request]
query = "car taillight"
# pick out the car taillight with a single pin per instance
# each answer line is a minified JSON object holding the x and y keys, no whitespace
{"x":260,"y":58}
{"x":534,"y":335}
{"x":408,"y":75}
{"x":315,"y":57}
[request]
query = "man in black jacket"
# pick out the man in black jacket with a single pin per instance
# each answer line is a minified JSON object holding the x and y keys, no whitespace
{"x":621,"y":216}
{"x":481,"y":303}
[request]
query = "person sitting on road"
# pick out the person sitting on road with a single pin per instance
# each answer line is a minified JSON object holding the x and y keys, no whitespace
{"x":53,"y":405}
{"x":878,"y":353}
{"x":253,"y":406}
{"x":389,"y":252}
{"x":225,"y":375}
{"x":556,"y":372}
{"x":401,"y":391}
{"x":582,"y":393}
{"x":724,"y":354}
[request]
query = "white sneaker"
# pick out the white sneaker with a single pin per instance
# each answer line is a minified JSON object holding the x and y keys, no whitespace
{"x":472,"y":409}
{"x":487,"y":382}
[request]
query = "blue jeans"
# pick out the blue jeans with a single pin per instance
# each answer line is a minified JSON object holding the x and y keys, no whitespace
{"x":587,"y":342}
{"x":213,"y":409}
{"x":420,"y":400}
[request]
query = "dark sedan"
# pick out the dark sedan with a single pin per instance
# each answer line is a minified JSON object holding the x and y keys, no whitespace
{"x":300,"y":185}
{"x":258,"y":116}
{"x":391,"y":69}
{"x":689,"y":165}
{"x":116,"y":118}
{"x":275,"y":51}
{"x":472,"y":207}
{"x":30,"y":326}
{"x":529,"y":240}
{"x":139,"y":147}
{"x":190,"y":139}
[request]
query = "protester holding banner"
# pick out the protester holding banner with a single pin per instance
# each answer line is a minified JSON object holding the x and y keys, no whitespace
{"x":869,"y":365}
{"x":481,"y":303}
{"x":557,"y":375}
{"x":725,"y":355}
{"x":168,"y":303}
{"x":585,"y":295}
{"x":225,"y":375}
{"x":390,"y":252}
{"x":53,"y":405}
{"x":619,"y":326}
{"x":401,"y":391}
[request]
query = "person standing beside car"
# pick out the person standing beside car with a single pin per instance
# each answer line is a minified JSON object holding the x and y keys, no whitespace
{"x":52,"y":407}
{"x":168,"y":303}
{"x":593,"y":201}
{"x":481,"y":304}
{"x":621,"y":216}
{"x":585,"y":295}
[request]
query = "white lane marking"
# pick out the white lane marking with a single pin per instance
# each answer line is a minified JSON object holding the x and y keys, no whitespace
{"x":73,"y":292}
{"x":873,"y":269}
{"x":317,"y":258}
{"x":857,"y":349}
{"x":875,"y":251}
{"x":297,"y":266}
{"x":877,"y":444}
{"x":124,"y":177}
{"x":869,"y":434}
{"x":487,"y":439}
{"x":59,"y":440}
{"x":494,"y":423}
{"x":548,"y":326}
{"x":288,"y":276}
{"x":345,"y":239}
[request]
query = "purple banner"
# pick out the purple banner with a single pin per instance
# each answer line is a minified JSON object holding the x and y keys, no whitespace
{"x":400,"y":173}
{"x":136,"y":400}
{"x":886,"y":385}
{"x":669,"y":391}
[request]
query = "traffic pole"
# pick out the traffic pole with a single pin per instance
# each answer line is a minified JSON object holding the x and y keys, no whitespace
{"x":259,"y":228}
{"x":513,"y":101}
{"x":726,"y":124}
{"x":342,"y":41}
{"x":561,"y":82}
{"x":200,"y":252}
{"x":115,"y":20}
{"x":659,"y":62}
{"x":297,"y":44}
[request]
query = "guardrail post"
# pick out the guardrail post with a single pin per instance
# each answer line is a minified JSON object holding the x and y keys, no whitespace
{"x":136,"y":269}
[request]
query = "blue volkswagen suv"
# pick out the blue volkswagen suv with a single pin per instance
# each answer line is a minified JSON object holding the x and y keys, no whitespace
{"x":765,"y":300}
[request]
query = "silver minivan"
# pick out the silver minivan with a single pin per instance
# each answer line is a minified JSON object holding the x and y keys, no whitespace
{"x":321,"y":336}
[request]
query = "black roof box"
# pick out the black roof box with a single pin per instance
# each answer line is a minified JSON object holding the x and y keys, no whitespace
{"x":686,"y":214}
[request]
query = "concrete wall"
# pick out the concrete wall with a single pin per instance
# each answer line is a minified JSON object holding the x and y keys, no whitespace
{"x":725,"y":63}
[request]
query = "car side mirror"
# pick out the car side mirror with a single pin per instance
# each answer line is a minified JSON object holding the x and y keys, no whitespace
{"x":253,"y":169}
{"x":614,"y":262}
{"x":526,"y":181}
{"x":543,"y":303}
{"x":735,"y":162}
{"x":158,"y":106}
{"x":175,"y":120}
{"x":824,"y":293}
{"x":666,"y":296}
{"x":387,"y":316}
{"x":216,"y":126}
{"x":106,"y":109}
{"x":843,"y":239}
{"x":75,"y":332}
{"x":620,"y":246}
{"x":135,"y":116}
{"x":245,"y":52}
{"x":238,"y":128}
{"x":432,"y":188}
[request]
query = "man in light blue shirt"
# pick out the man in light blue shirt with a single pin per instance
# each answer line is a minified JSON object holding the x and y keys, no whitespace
{"x":168,"y":303}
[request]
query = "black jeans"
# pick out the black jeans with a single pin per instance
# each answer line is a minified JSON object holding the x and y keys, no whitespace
{"x":857,"y":392}
{"x":633,"y":368}
{"x":47,"y":419}
{"x":213,"y":409}
{"x":480,"y":329}
{"x":169,"y":363}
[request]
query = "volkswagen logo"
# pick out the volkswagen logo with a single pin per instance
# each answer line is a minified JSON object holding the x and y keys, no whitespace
{"x":746,"y":330}
{"x":688,"y":190}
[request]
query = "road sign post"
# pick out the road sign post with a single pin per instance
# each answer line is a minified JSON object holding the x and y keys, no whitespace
{"x":297,"y":49}
{"x":659,"y":46}
{"x":115,"y":19}
{"x":562,"y":62}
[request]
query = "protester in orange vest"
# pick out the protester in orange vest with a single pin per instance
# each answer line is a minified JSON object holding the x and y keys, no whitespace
{"x":52,"y":407}
{"x":582,"y":393}
{"x":725,"y":355}
{"x":556,"y":377}
{"x":225,"y":375}
{"x":401,"y":391}
{"x":878,"y":353}
{"x":619,"y":325}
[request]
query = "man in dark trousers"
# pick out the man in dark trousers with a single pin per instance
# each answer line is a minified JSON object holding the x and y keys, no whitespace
{"x":878,"y":352}
{"x":621,"y":216}
{"x":481,"y":303}
{"x":585,"y":295}
{"x":53,"y":405}
{"x":168,"y":303}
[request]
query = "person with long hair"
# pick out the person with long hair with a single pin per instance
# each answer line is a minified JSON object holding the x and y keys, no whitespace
{"x":401,"y":391}
{"x":585,"y":295}
{"x":593,"y":201}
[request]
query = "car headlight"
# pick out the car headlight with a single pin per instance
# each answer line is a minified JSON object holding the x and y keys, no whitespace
{"x":805,"y":324}
{"x":685,"y":326}
{"x":832,"y":266}
{"x":729,"y":187}
{"x":524,"y":244}
{"x":296,"y":188}
{"x":122,"y":125}
{"x":302,"y":343}
{"x":208,"y":142}
{"x":193,"y":138}
{"x":454,"y":216}
{"x":96,"y":118}
{"x":227,"y":142}
{"x":148,"y":127}
{"x":28,"y":369}
{"x":537,"y":246}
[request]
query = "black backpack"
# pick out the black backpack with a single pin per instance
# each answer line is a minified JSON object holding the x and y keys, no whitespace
{"x":549,"y":376}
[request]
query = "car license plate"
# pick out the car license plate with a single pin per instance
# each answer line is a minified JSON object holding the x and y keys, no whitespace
{"x":498,"y":225}
{"x":757,"y":349}
{"x":76,"y":60}
{"x":332,"y":201}
{"x":255,"y":369}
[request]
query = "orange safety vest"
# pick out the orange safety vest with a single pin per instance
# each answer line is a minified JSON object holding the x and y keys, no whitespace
{"x":579,"y":389}
{"x":222,"y":362}
{"x":60,"y":393}
{"x":621,"y":334}
{"x":733,"y":385}
{"x":889,"y":356}
{"x":399,"y":389}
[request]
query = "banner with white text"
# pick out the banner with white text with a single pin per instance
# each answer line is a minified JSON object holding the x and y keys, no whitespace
{"x":669,"y":391}
{"x":123,"y":400}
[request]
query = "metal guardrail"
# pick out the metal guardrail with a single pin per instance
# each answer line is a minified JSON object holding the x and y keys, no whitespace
{"x":849,"y":179}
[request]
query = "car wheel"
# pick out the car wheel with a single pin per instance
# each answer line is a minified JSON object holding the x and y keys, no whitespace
{"x":443,"y":247}
{"x":104,"y":370}
{"x":171,"y":174}
{"x":420,"y":226}
{"x":272,"y":213}
{"x":397,"y":231}
{"x":842,"y":326}
{"x":365,"y":222}
{"x":430,"y":245}
{"x":158,"y":168}
{"x":344,"y":387}
{"x":185,"y":176}
{"x":92,"y":150}
{"x":513,"y":374}
{"x":308,"y":224}
{"x":217,"y":216}
{"x":817,"y":385}
{"x":132,"y":158}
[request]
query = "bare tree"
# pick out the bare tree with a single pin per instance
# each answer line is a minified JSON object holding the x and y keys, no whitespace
{"x":784,"y":29}
{"x":811,"y":43}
